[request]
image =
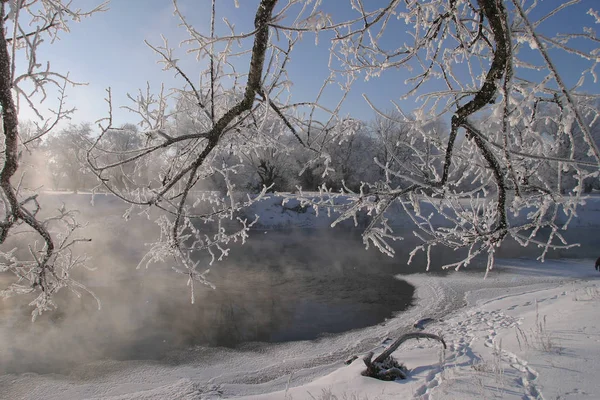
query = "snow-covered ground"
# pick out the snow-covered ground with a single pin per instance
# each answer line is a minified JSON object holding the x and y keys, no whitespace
{"x":536,"y":342}
{"x":529,"y":331}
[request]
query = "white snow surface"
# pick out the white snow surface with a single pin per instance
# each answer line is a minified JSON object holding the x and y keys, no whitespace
{"x":495,"y":350}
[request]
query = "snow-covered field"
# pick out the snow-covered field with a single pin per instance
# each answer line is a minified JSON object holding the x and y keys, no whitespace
{"x":528,"y":331}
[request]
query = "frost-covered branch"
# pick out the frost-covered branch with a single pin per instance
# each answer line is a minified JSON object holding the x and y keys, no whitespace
{"x":40,"y":257}
{"x":518,"y":152}
{"x":497,"y":146}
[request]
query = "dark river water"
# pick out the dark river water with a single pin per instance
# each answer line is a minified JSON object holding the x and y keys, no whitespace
{"x":278,"y":287}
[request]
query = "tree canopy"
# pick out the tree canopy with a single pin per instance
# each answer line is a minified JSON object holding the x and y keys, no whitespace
{"x":498,"y":143}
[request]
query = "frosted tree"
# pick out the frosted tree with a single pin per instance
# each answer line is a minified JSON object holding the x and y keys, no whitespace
{"x":492,"y":146}
{"x":36,"y":244}
{"x":65,"y":152}
{"x":270,"y":163}
{"x":389,"y":132}
{"x":484,"y":66}
{"x":206,"y":129}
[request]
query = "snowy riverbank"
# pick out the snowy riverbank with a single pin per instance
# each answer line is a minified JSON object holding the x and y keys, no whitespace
{"x":536,"y":341}
{"x":495,"y":349}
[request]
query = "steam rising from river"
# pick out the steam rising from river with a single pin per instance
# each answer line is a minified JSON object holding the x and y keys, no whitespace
{"x":278,"y":287}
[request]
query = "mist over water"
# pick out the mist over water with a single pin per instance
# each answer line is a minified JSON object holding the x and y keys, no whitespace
{"x":280,"y":286}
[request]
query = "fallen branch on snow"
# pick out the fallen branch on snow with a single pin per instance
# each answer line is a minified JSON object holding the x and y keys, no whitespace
{"x":385,"y":367}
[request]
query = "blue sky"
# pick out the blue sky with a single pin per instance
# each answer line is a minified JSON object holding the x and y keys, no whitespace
{"x":108,"y":50}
